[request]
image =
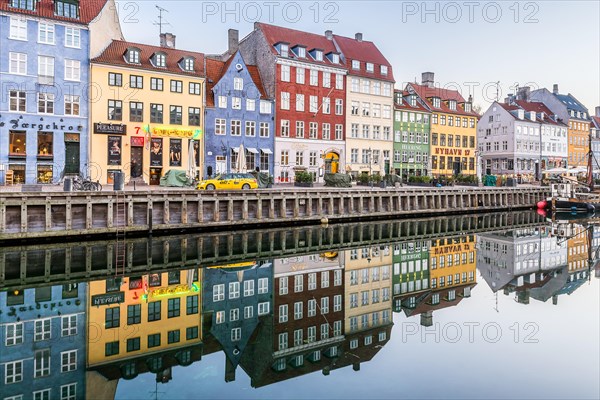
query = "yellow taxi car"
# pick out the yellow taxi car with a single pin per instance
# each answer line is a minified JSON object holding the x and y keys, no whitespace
{"x":229,"y":182}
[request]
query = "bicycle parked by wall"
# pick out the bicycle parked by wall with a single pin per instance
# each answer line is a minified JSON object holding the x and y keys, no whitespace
{"x":81,"y":183}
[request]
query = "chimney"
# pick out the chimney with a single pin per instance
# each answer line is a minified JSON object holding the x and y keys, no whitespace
{"x":256,"y":25}
{"x":523,"y":93}
{"x":427,"y":318}
{"x":470,"y":100}
{"x":329,"y":35}
{"x":427,"y":79}
{"x":233,"y":40}
{"x":167,"y":40}
{"x":356,"y":366}
{"x":555,"y":88}
{"x":598,"y":111}
{"x":358,"y":37}
{"x":229,"y":371}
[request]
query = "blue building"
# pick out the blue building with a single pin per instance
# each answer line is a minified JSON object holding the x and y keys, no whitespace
{"x":235,"y":300}
{"x":45,"y":48}
{"x":238,"y":117}
{"x":42,"y":342}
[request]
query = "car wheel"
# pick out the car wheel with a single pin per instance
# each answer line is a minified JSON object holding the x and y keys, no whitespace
{"x":210,"y":187}
{"x":245,"y":186}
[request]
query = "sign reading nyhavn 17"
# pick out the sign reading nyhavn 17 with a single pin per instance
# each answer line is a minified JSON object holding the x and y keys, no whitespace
{"x":112,"y":129}
{"x":108,"y":298}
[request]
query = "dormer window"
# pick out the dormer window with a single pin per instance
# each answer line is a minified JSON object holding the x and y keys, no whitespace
{"x":67,"y":8}
{"x":398,"y":96}
{"x":370,"y":67}
{"x":452,"y":105}
{"x":187,"y":64}
{"x":335,"y":58}
{"x":384,"y":70}
{"x":284,"y":50}
{"x":436,"y":102}
{"x":301,"y":52}
{"x":355,"y":64}
{"x":318,"y":55}
{"x":160,"y":60}
{"x":23,"y":4}
{"x":584,"y":115}
{"x":413,"y":100}
{"x":133,"y":56}
{"x":468,"y":107}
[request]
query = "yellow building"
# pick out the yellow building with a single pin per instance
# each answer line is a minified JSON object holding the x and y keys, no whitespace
{"x":453,"y":128}
{"x":134,"y":316}
{"x":368,"y":285}
{"x":452,"y":262}
{"x":147,"y":111}
{"x":579,"y":142}
{"x":578,"y":248}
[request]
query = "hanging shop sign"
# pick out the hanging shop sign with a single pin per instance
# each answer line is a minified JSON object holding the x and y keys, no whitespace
{"x":108,"y":298}
{"x":111,"y":129}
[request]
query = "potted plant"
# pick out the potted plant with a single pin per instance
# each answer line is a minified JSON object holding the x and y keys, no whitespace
{"x":303,"y":179}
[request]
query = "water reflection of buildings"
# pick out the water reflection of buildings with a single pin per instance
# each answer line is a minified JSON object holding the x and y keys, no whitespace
{"x":450,"y":266}
{"x":540,"y":262}
{"x":42,"y":342}
{"x":140,"y":324}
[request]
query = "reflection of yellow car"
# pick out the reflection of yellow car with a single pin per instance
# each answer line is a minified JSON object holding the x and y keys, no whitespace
{"x":229,"y":181}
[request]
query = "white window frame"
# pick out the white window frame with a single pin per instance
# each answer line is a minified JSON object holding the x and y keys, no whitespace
{"x":285,"y":73}
{"x":283,"y":285}
{"x":248,"y":312}
{"x":249,"y":288}
{"x":41,"y":366}
{"x":263,"y":285}
{"x":238,"y":83}
{"x":70,"y":364}
{"x":17,"y":63}
{"x":13,"y":334}
{"x":263,"y":308}
{"x":300,"y":75}
{"x":72,"y":70}
{"x":48,"y":31}
{"x":42,"y":329}
{"x":18,"y":28}
{"x":283,"y":313}
{"x":72,"y":37}
{"x":250,"y":105}
{"x":68,"y":325}
{"x":285,"y":100}
{"x":71,"y":389}
{"x":234,"y":290}
{"x":218,"y":292}
{"x":14,"y":376}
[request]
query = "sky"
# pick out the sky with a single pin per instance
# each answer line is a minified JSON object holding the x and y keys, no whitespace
{"x":483,"y":48}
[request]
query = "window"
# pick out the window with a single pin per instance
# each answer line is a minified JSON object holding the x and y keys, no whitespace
{"x":283,"y":285}
{"x":313,"y":104}
{"x":312,"y":159}
{"x":42,"y":329}
{"x":384,"y":70}
{"x":324,"y":331}
{"x":250,"y":105}
{"x":193,"y":116}
{"x":173,"y":336}
{"x":285,"y":101}
{"x":195,"y":88}
{"x":312,"y":281}
{"x":68,"y":392}
{"x":13,"y":372}
{"x":41,"y":363}
{"x":283,"y":341}
{"x":188,"y":64}
{"x":339,"y":132}
{"x":300,"y":75}
{"x":14,"y":334}
{"x":312,"y":307}
{"x":314,"y":77}
{"x":236,"y":334}
{"x":45,"y":33}
{"x":298,"y":308}
{"x":17,"y":100}
{"x":173,"y":308}
{"x":248,"y":288}
{"x":176,"y":115}
{"x":324,"y":305}
{"x":133,"y":344}
{"x":263,"y":285}
{"x":248,"y":312}
{"x":264,"y":130}
{"x":326,"y":79}
{"x":337,"y":303}
{"x":176,"y":86}
{"x":160,"y":60}
{"x":285,"y":73}
{"x":311,"y":334}
{"x":115,"y":79}
{"x":234,"y":290}
{"x":355,"y":64}
{"x":191,"y":333}
{"x":339,"y":81}
{"x":154,"y":311}
{"x":265,"y":107}
{"x":156,"y":113}
{"x":337,"y":277}
{"x":326,"y":105}
{"x":238,"y":84}
{"x":299,"y":102}
{"x":18,"y":28}
{"x":370,"y":67}
{"x":366,"y":86}
{"x":136,"y":111}
{"x":153,"y":340}
{"x":263,"y":308}
{"x":38,"y":395}
{"x":298,"y":337}
{"x":115,"y":110}
{"x":339,"y":106}
{"x":18,"y":63}
{"x":45,"y":103}
{"x":285,"y":128}
{"x":71,"y":104}
{"x":66,"y":8}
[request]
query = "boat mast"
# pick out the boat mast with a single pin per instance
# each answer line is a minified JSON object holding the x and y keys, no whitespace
{"x":590,"y":169}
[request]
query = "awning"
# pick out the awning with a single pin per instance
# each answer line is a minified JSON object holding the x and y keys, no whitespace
{"x":252,"y":150}
{"x":235,"y":149}
{"x":266,"y":151}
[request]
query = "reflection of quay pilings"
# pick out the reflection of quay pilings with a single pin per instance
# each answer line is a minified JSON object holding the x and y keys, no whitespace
{"x":57,"y":216}
{"x":26,"y":266}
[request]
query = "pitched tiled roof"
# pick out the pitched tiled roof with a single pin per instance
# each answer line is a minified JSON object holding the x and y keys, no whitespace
{"x":114,"y":55}
{"x":596,"y":122}
{"x":571,"y":102}
{"x":426,"y":93}
{"x":277,"y":34}
{"x":527,"y":107}
{"x":215,"y":69}
{"x":88,"y":10}
{"x":363,"y":51}
{"x":406,"y":104}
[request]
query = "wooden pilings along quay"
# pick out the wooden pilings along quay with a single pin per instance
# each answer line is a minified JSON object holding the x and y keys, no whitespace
{"x":57,"y":215}
{"x":43,"y":264}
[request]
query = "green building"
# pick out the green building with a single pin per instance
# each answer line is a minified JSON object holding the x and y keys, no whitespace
{"x":411,"y":136}
{"x":411,"y":272}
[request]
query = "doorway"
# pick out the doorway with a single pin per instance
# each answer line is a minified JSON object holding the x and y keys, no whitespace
{"x":137,"y":161}
{"x":72,"y":157}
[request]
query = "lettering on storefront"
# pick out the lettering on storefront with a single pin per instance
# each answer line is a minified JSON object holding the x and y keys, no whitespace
{"x":111,"y":129}
{"x":109,"y":298}
{"x":16,"y":124}
{"x":167,"y":132}
{"x":451,"y":249}
{"x":172,"y":290}
{"x":452,"y":152}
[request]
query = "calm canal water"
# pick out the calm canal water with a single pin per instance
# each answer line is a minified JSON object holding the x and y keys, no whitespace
{"x":506,"y":314}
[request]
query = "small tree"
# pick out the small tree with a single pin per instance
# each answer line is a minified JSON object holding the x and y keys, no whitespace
{"x":303,"y":177}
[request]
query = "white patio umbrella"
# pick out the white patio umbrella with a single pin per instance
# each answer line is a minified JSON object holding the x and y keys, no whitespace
{"x":241,"y":161}
{"x":192,"y":168}
{"x":577,"y":170}
{"x":557,"y":170}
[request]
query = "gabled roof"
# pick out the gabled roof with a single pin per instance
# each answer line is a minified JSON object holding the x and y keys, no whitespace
{"x":426,"y":93}
{"x":571,"y":102}
{"x":406,"y":104}
{"x":365,"y":52}
{"x":215,"y":69}
{"x":114,"y":54}
{"x":88,"y":10}
{"x":596,"y":122}
{"x":276,"y":34}
{"x":529,"y":106}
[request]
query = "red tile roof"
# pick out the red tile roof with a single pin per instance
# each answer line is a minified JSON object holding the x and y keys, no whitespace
{"x":527,"y":107}
{"x":406,"y":104}
{"x":596,"y":122}
{"x":114,"y":55}
{"x":426,"y":93}
{"x":363,"y":51}
{"x":276,"y":34}
{"x":215,"y":69}
{"x":88,"y":10}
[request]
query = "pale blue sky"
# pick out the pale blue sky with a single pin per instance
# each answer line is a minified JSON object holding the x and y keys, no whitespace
{"x":537,"y":43}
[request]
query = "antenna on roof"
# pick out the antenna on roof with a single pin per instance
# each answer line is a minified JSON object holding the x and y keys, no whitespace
{"x":160,"y":22}
{"x":497,"y":90}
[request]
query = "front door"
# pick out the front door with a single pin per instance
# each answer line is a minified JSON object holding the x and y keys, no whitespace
{"x":137,"y":160}
{"x":221,"y":165}
{"x":72,"y":157}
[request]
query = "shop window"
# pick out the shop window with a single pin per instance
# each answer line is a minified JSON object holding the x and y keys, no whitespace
{"x":44,"y":174}
{"x":17,"y":144}
{"x":18,"y":172}
{"x":45,"y":144}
